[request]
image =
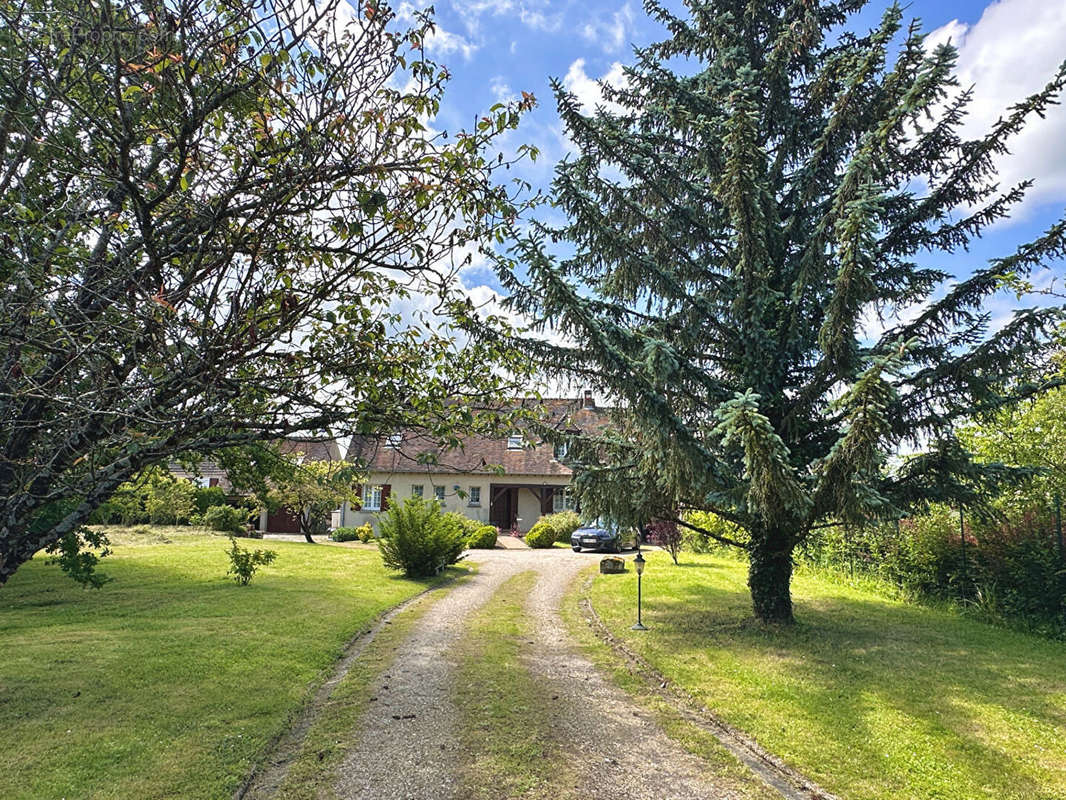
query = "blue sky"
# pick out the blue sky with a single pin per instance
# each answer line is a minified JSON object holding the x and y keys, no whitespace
{"x":496,"y":49}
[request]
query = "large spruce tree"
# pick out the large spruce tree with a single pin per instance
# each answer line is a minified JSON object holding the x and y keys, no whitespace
{"x":750,"y":266}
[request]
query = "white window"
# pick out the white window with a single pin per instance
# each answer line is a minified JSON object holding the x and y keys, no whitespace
{"x":438,"y":492}
{"x":515,"y":442}
{"x":475,"y":495}
{"x":560,"y":450}
{"x":416,"y":490}
{"x":394,"y":441}
{"x":563,"y":500}
{"x":371,"y":498}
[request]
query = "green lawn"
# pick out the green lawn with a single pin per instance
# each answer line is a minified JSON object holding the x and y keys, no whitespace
{"x":171,"y":680}
{"x":871,"y":697}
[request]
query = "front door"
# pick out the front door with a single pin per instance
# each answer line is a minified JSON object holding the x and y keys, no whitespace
{"x":503,"y":506}
{"x":283,"y":521}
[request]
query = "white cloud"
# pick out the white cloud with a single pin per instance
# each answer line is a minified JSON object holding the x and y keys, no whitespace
{"x":471,"y":12}
{"x":439,"y":42}
{"x":539,"y":20}
{"x":588,"y":90}
{"x":534,"y":14}
{"x":1009,"y":53}
{"x":589,"y":94}
{"x":611,"y":34}
{"x":500,"y":90}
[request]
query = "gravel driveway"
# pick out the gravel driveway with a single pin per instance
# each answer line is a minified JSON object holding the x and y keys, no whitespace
{"x":620,"y":753}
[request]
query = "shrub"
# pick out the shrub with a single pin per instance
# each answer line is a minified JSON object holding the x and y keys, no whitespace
{"x":416,"y":540}
{"x":696,"y":542}
{"x":484,"y":538}
{"x":227,"y":519}
{"x":107,"y":513}
{"x":243,"y":564}
{"x":364,"y":533}
{"x":1010,"y":569}
{"x":349,"y":534}
{"x":667,"y":535}
{"x":563,"y":523}
{"x":460,"y":524}
{"x":541,"y":535}
{"x":207,"y":496}
{"x":124,"y":507}
{"x":169,"y":500}
{"x":1018,"y":560}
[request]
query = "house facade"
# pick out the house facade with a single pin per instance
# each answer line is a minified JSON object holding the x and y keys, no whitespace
{"x":533,"y":478}
{"x":283,"y":520}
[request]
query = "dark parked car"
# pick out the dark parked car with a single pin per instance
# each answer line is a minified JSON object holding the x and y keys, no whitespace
{"x":604,"y":535}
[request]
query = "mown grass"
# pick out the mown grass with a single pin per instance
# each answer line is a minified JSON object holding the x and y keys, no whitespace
{"x":505,"y":732}
{"x":871,"y":697}
{"x":171,"y":680}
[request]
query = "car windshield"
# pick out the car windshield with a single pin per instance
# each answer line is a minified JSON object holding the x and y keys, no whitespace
{"x":599,"y":522}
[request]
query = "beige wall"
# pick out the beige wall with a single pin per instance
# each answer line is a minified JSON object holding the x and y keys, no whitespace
{"x":528,"y":502}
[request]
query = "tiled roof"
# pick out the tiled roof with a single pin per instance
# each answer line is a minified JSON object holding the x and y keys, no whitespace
{"x":478,"y":453}
{"x":313,"y":449}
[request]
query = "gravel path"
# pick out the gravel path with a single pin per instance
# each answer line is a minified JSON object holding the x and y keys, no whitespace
{"x":407,"y":733}
{"x":621,"y":754}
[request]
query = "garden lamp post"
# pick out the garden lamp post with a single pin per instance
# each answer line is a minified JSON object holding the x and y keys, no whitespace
{"x":638,"y":563}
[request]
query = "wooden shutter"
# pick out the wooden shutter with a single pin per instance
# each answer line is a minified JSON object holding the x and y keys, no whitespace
{"x":386,"y":489}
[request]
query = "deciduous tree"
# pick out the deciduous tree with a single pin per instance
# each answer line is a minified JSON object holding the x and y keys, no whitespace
{"x":312,"y":490}
{"x":210,"y":209}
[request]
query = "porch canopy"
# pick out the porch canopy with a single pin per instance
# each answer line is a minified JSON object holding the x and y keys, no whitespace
{"x":503,"y":501}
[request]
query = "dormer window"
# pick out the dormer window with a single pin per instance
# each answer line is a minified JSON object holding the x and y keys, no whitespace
{"x":516,"y":442}
{"x":394,"y":441}
{"x":560,"y":450}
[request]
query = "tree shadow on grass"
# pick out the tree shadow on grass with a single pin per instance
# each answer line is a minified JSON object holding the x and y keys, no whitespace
{"x":909,"y":696}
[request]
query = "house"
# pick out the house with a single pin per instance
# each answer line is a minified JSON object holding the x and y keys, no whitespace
{"x":301,"y":449}
{"x":535,"y":478}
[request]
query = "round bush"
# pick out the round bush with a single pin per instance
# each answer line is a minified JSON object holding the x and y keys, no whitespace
{"x":205,"y":497}
{"x":541,"y":535}
{"x":563,"y":523}
{"x":484,"y":538}
{"x":345,"y":534}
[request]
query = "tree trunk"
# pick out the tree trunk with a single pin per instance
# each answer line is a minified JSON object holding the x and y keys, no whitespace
{"x":16,"y":550}
{"x":769,"y":578}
